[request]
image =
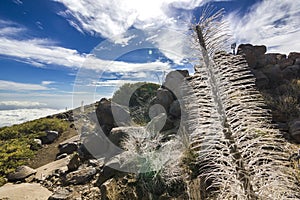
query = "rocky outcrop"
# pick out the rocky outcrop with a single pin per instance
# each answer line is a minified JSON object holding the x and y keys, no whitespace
{"x":110,"y":115}
{"x":49,"y":137}
{"x":270,"y":69}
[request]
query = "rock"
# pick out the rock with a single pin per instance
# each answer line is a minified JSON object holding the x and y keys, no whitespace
{"x":60,"y":194}
{"x":49,"y":137}
{"x":38,"y":142}
{"x":110,"y":115}
{"x":60,"y":156}
{"x":68,"y":148}
{"x":274,"y":58}
{"x":118,"y":134}
{"x":291,"y":72}
{"x":80,"y":176}
{"x":74,"y":163}
{"x":164,"y":97}
{"x":74,"y":139}
{"x":21,"y":173}
{"x":285,"y":62}
{"x":262,"y":80}
{"x":97,"y":163}
{"x":294,"y":130}
{"x":110,"y":170}
{"x":297,"y":61}
{"x":253,"y":54}
{"x":294,"y":55}
{"x":24,"y":191}
{"x":47,"y":170}
{"x":115,"y":189}
{"x":175,"y":109}
{"x":173,"y":81}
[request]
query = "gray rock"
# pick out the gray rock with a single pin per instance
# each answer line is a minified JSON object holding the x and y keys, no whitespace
{"x":21,"y":173}
{"x":60,"y":194}
{"x":49,"y":137}
{"x":24,"y":191}
{"x":80,"y":176}
{"x":61,"y":156}
{"x":255,"y":55}
{"x":164,"y":97}
{"x":110,"y":115}
{"x":74,"y":163}
{"x":174,"y":80}
{"x":38,"y":142}
{"x":297,"y":61}
{"x":294,"y":55}
{"x":68,"y":148}
{"x":175,"y":109}
{"x":47,"y":170}
{"x":98,"y":163}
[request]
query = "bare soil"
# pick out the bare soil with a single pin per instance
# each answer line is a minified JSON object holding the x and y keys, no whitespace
{"x":48,"y":152}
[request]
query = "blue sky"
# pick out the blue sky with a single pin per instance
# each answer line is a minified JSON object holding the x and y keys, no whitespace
{"x":56,"y":53}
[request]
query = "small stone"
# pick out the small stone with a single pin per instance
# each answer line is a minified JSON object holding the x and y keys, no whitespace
{"x":61,"y":156}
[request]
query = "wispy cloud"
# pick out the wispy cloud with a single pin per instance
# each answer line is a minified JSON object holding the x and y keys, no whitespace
{"x":272,"y":23}
{"x":15,"y":86}
{"x":42,"y":52}
{"x":111,"y":19}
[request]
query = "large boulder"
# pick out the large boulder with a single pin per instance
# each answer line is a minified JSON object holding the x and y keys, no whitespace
{"x":253,"y":54}
{"x":110,"y":115}
{"x":49,"y":137}
{"x":21,"y":173}
{"x":164,"y":97}
{"x":174,"y":80}
{"x":68,"y":148}
{"x":47,"y":170}
{"x":24,"y":191}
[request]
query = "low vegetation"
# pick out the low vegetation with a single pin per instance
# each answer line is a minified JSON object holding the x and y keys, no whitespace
{"x":17,"y":144}
{"x":138,"y":97}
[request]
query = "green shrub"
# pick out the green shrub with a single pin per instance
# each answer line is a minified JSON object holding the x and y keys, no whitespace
{"x":17,"y":145}
{"x":139,"y":97}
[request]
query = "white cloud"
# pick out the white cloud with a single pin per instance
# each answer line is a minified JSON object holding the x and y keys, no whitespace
{"x":19,"y":2}
{"x":47,"y":82}
{"x":39,"y":51}
{"x":10,"y":117}
{"x":11,"y":105}
{"x":112,"y":18}
{"x":15,"y":86}
{"x":273,"y":23}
